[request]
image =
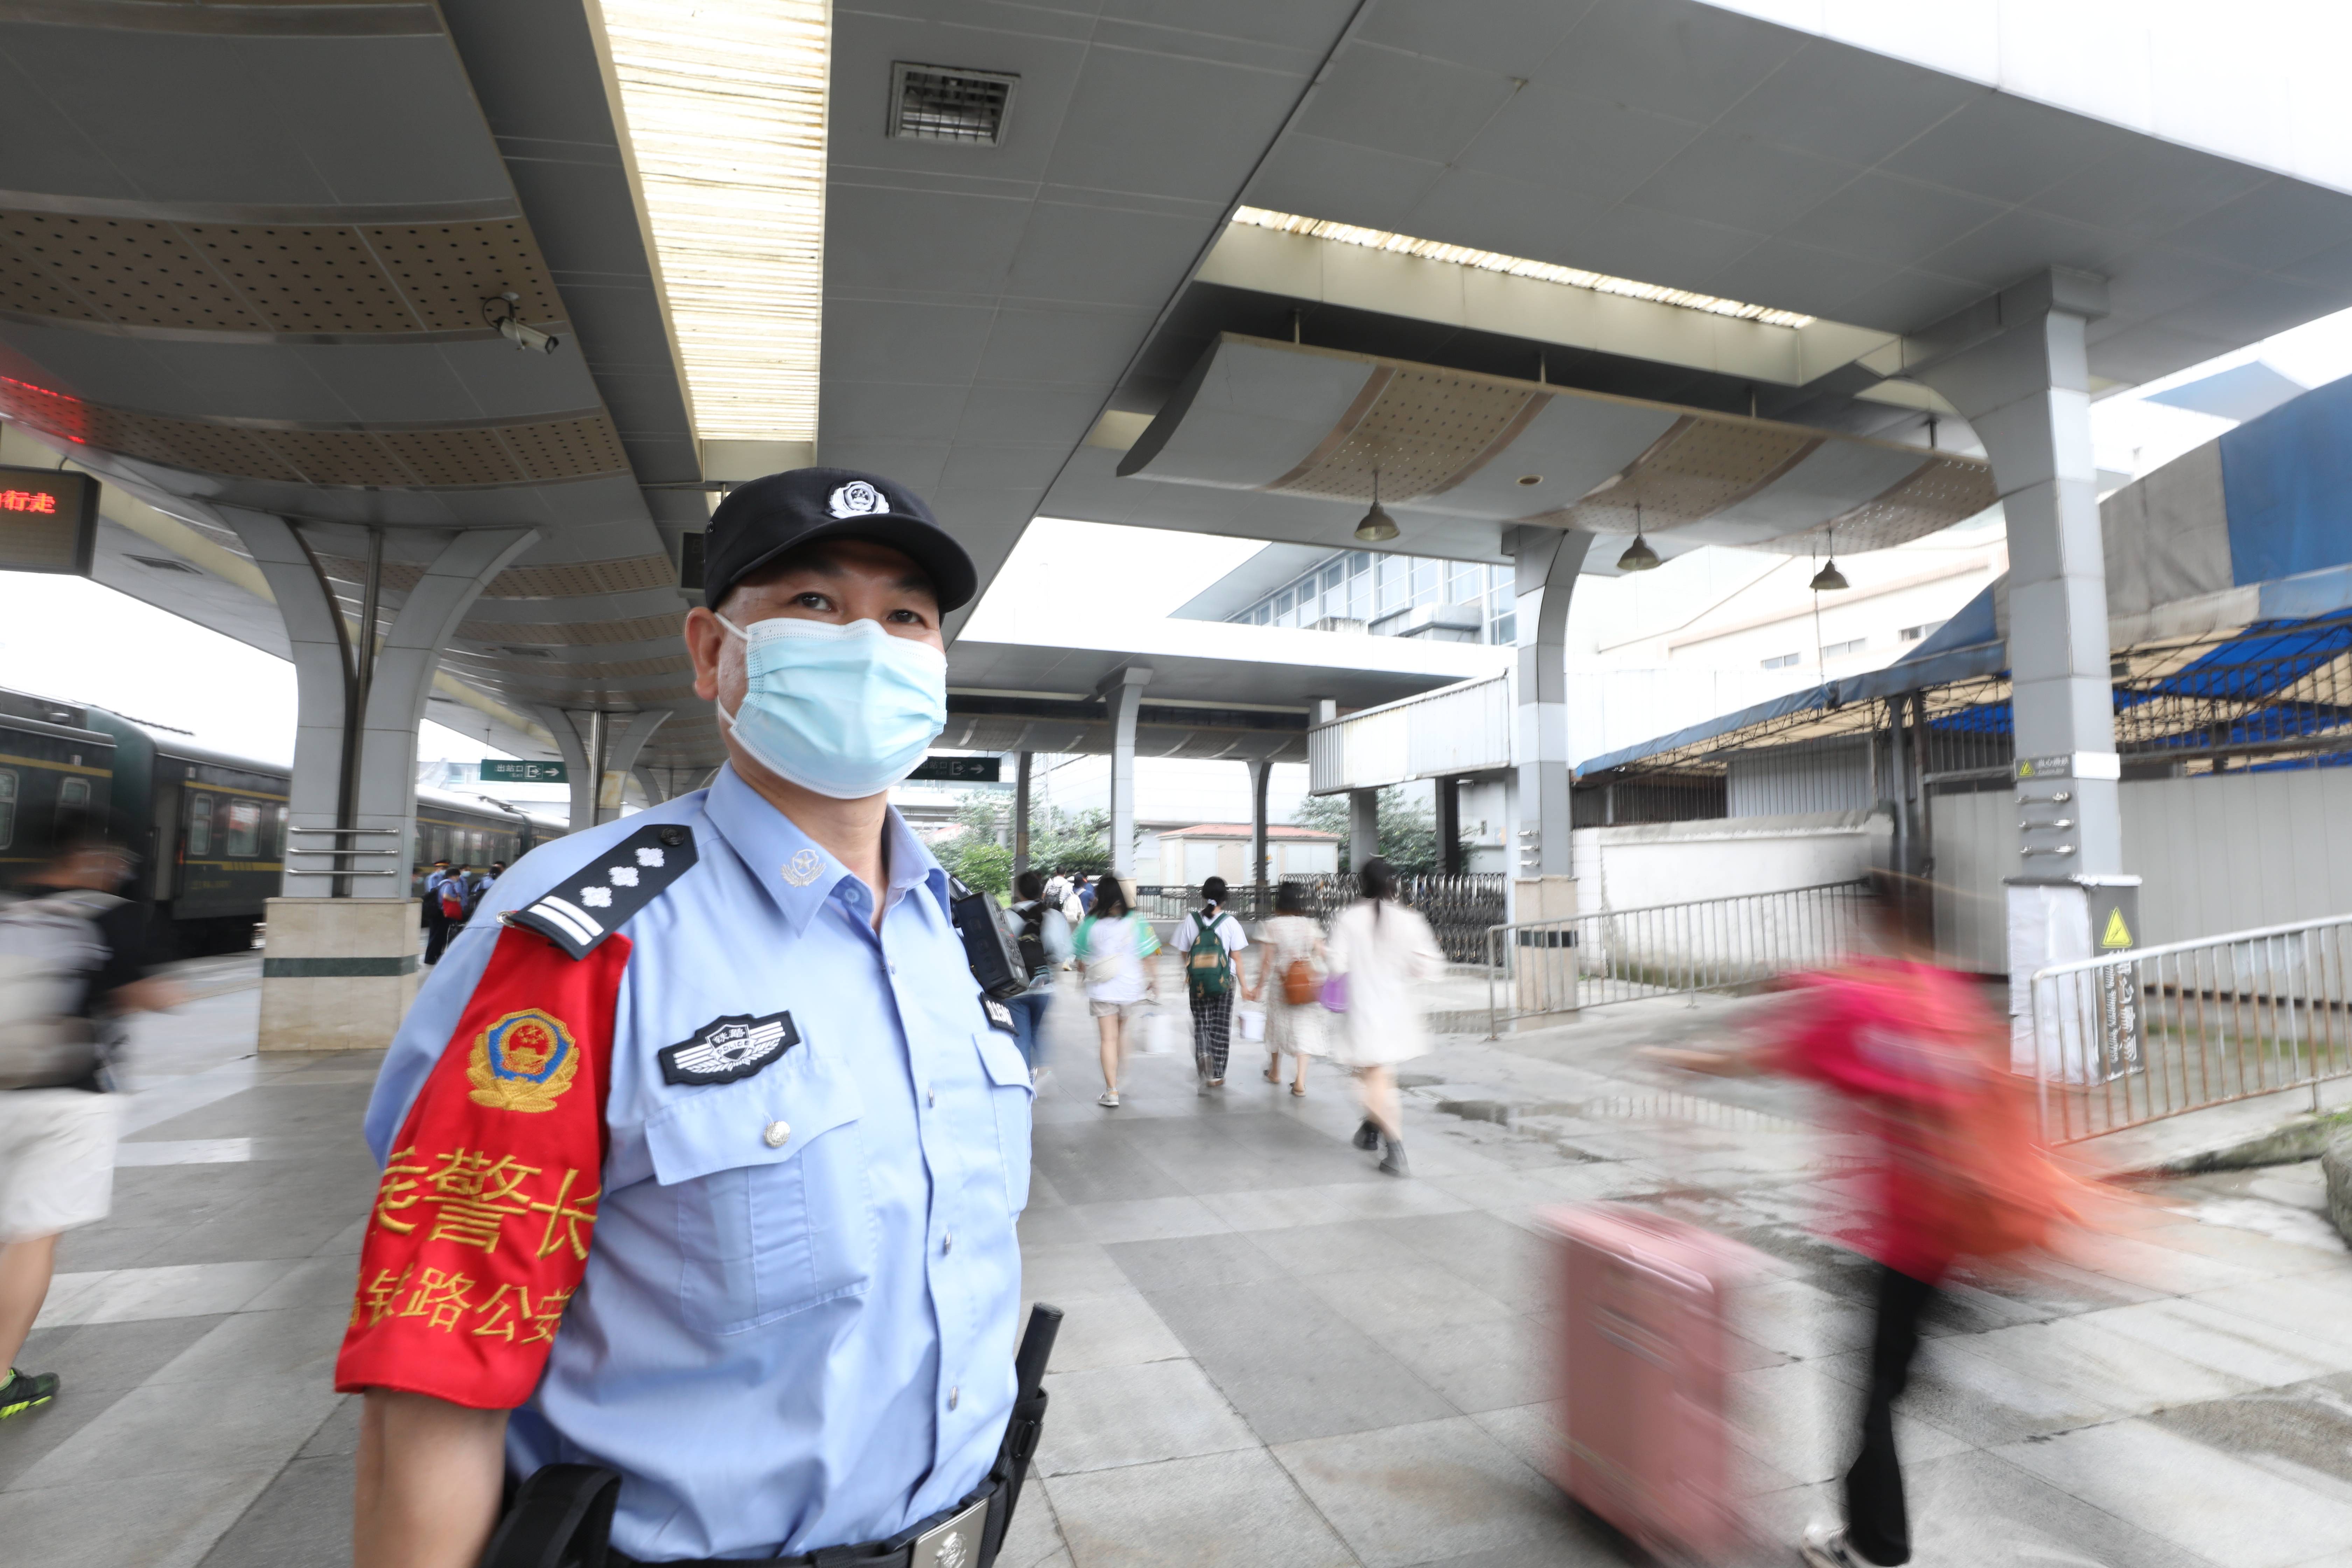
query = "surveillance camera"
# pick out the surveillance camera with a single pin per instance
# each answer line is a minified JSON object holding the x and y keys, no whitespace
{"x":524,"y":337}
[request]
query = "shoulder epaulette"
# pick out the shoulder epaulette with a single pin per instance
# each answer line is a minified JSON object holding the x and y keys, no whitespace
{"x":586,"y":908}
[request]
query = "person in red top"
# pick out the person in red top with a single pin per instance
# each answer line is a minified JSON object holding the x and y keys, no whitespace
{"x":1920,"y":1062}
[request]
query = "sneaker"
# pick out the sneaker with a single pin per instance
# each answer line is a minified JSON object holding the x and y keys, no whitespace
{"x":1825,"y":1547}
{"x":1393,"y":1159}
{"x":26,"y":1391}
{"x":1107,"y":1098}
{"x":1368,"y":1136}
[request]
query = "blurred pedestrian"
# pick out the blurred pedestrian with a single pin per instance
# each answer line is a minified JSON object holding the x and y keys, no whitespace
{"x":1087,"y":892}
{"x":1117,"y":946}
{"x":1290,"y":960}
{"x":1377,"y":952}
{"x":1045,"y":940}
{"x":1207,"y":939}
{"x":1921,"y":1062}
{"x":72,"y":959}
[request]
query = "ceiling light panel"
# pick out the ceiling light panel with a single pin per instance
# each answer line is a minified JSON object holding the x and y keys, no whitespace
{"x":726,"y":101}
{"x":1516,"y":266}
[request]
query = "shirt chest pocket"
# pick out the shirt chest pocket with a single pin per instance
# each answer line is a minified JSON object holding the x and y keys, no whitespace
{"x":1010,"y":1090}
{"x":773,"y":1210}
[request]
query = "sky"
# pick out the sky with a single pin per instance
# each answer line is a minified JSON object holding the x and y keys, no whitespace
{"x":71,"y":639}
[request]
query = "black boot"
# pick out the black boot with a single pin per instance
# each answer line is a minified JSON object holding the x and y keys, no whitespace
{"x":1368,"y":1136}
{"x":1393,"y":1159}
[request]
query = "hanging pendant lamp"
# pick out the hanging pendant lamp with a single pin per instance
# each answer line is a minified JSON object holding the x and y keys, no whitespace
{"x":1378,"y":527}
{"x":1828,"y":579}
{"x":1638,"y":556}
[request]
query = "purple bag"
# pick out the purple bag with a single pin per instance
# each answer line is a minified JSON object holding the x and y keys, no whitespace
{"x":1335,"y":992}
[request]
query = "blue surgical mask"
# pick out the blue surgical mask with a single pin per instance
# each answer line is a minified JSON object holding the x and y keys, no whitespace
{"x":845,"y":711}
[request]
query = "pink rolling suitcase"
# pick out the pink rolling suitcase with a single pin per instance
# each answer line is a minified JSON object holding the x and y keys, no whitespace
{"x":1641,"y":1375}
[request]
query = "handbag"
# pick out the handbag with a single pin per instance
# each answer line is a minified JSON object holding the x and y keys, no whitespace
{"x":1298,"y":983}
{"x":1335,"y":992}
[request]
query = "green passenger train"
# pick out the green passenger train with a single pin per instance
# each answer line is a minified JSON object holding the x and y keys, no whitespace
{"x":209,"y":829}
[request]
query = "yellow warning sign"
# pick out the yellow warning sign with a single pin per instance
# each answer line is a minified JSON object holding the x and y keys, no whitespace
{"x":2118,"y":934}
{"x":2025,"y":769}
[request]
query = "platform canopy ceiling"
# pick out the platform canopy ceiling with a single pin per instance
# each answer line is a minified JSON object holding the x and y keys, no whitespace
{"x":248,"y":247}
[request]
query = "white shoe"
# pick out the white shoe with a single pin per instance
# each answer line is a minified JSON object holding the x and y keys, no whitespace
{"x":1109,"y":1099}
{"x":1825,"y":1547}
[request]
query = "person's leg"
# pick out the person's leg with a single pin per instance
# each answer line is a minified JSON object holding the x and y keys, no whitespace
{"x":1040,"y":1004}
{"x":1106,"y":1023}
{"x":1217,"y":1019}
{"x":1877,"y":1526}
{"x":436,"y":937}
{"x":1379,"y":1091}
{"x":25,"y":1269}
{"x":1024,"y":1029}
{"x":1298,"y":1072}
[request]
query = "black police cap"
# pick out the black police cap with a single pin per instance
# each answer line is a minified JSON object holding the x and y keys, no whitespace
{"x":761,"y":520}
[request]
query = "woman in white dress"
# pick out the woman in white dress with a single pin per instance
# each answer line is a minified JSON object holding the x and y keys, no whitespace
{"x":1384,"y":950}
{"x":1293,"y":1029}
{"x":1117,"y":946}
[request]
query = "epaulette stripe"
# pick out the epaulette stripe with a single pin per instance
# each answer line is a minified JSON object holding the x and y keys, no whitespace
{"x":617,"y":885}
{"x":572,"y":918}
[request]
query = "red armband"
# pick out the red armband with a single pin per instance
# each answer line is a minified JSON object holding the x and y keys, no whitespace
{"x":480,"y":1230}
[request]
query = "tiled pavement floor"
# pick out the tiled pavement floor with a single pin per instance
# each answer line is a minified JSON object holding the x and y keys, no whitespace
{"x":1274,"y":1355}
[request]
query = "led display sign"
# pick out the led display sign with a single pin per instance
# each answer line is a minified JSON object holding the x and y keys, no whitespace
{"x":49,"y":520}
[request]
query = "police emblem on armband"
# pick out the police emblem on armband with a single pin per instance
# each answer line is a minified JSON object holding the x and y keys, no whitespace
{"x":522,"y":1062}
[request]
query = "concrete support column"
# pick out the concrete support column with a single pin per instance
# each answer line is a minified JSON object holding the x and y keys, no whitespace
{"x":1261,"y":772}
{"x":1545,"y":563}
{"x":598,"y":747}
{"x":2016,"y":368}
{"x":1021,"y":813}
{"x":1449,"y":826}
{"x":1123,"y":695}
{"x":341,"y":963}
{"x":1363,"y":827}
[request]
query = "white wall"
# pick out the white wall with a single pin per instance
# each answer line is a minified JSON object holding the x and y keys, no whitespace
{"x":1674,"y":862}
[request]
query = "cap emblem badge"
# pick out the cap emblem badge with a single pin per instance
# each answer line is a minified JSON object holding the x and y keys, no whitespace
{"x":857,"y":499}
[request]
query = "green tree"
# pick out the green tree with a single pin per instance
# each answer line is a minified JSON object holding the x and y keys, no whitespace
{"x":1408,"y":830}
{"x":1058,"y":841}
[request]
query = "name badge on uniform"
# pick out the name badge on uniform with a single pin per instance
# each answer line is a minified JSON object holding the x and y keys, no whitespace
{"x":1000,"y":1016}
{"x":729,"y":1049}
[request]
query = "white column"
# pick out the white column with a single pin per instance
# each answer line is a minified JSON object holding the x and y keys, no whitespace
{"x":2016,"y":368}
{"x":1261,"y":771}
{"x":1545,"y":563}
{"x":1021,"y":813}
{"x":620,"y":737}
{"x":1123,"y":693}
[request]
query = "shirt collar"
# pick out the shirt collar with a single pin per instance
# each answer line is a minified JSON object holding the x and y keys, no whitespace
{"x":797,"y":871}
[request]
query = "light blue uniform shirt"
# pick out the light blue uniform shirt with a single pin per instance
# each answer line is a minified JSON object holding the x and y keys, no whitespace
{"x":779,"y":1348}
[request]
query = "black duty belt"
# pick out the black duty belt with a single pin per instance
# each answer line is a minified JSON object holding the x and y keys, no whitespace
{"x":562,"y":1516}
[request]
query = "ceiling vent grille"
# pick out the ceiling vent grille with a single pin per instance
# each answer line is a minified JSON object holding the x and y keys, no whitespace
{"x":938,"y":104}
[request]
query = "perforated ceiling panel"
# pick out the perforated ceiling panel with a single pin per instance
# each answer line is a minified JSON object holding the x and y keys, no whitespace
{"x":583,"y":634}
{"x":1941,"y":492}
{"x":578,"y":448}
{"x":1693,"y":471}
{"x":330,"y":280}
{"x":536,"y":664}
{"x":1425,"y":429}
{"x":569,"y":580}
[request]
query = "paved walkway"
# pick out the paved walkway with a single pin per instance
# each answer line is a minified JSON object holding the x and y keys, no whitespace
{"x":1275,"y":1356}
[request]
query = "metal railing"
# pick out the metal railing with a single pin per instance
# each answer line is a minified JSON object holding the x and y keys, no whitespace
{"x":1459,"y":909}
{"x":2157,"y":1031}
{"x":1538,"y":968}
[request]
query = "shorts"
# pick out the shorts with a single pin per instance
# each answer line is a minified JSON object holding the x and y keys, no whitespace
{"x":1123,"y":1011}
{"x":56,"y":1159}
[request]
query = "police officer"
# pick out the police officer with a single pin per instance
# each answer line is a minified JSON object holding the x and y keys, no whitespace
{"x":701,"y":1160}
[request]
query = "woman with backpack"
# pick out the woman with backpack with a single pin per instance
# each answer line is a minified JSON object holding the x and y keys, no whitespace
{"x":1378,"y":952}
{"x":1117,"y":946}
{"x":1208,"y":937}
{"x":1289,"y":976}
{"x":1045,"y":940}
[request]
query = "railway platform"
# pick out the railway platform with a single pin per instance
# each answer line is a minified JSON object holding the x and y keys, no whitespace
{"x":1273,"y":1354}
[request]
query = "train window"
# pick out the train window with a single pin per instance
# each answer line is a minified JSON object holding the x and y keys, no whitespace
{"x":244,"y":829}
{"x":200,"y":827}
{"x":73,"y":796}
{"x":8,"y":807}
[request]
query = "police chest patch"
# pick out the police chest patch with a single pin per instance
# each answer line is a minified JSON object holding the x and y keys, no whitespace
{"x":729,"y":1049}
{"x":1000,"y":1016}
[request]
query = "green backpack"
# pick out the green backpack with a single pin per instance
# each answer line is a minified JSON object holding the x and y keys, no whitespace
{"x":1208,"y":967}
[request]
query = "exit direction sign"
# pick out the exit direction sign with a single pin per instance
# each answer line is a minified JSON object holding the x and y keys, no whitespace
{"x":506,"y":772}
{"x":957,"y":770}
{"x":49,"y":520}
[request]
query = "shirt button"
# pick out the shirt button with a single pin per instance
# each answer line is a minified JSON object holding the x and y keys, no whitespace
{"x":776,"y":1134}
{"x":930,"y":1097}
{"x":893,"y":969}
{"x":953,"y":1395}
{"x":947,"y":1242}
